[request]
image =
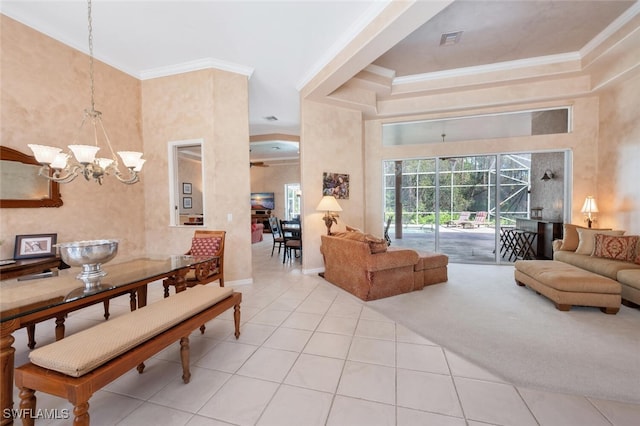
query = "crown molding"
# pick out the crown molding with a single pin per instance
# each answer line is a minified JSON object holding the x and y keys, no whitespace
{"x":627,"y":16}
{"x":196,"y":65}
{"x":481,"y":69}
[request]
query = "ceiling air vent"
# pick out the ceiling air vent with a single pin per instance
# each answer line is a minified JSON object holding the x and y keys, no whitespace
{"x":449,"y":39}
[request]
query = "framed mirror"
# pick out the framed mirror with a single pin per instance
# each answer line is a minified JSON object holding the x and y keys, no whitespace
{"x":21,"y":185}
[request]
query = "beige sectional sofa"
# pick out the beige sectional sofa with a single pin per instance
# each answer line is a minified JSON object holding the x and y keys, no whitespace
{"x":578,"y":248}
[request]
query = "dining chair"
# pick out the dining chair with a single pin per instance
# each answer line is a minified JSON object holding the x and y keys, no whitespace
{"x":204,"y":243}
{"x":276,"y":234}
{"x":292,"y":235}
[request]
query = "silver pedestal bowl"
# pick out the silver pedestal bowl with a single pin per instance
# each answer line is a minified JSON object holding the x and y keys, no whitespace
{"x":90,"y":255}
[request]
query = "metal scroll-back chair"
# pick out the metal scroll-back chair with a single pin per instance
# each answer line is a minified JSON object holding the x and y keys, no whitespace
{"x":276,"y":233}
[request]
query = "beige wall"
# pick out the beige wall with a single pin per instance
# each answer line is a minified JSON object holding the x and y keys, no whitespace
{"x":330,"y":141}
{"x":618,"y":193}
{"x":210,"y":105}
{"x":45,"y":89}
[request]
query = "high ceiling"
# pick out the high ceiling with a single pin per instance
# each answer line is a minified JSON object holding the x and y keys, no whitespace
{"x":281,"y":45}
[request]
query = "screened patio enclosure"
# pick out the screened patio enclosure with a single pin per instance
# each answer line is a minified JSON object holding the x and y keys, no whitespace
{"x":458,"y":205}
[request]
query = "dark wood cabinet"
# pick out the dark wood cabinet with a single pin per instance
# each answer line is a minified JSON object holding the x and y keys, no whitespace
{"x":546,"y":231}
{"x":28,"y":267}
{"x":261,"y":217}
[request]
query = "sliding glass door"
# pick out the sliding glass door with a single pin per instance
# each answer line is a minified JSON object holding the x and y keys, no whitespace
{"x":458,"y":205}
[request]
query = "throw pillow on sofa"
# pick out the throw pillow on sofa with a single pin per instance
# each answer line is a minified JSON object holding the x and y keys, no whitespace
{"x":570,"y":237}
{"x":617,"y":248}
{"x":588,"y":239}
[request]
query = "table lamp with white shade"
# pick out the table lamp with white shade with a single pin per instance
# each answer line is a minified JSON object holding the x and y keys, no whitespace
{"x":588,"y":208}
{"x":330,"y":206}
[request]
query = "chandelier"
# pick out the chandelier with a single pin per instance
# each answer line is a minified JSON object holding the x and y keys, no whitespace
{"x":81,"y":160}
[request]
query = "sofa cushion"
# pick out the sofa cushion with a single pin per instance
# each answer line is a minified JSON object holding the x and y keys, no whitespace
{"x":630,"y":277}
{"x":599,"y":265}
{"x":587,"y":239}
{"x":570,"y":238}
{"x":616,"y":247}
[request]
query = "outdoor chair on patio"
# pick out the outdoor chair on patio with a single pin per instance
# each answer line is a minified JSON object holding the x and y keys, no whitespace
{"x":464,"y":218}
{"x":479,"y":219}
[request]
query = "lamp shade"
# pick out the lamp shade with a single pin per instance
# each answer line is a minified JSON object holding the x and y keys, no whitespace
{"x":589,"y":205}
{"x":329,"y":204}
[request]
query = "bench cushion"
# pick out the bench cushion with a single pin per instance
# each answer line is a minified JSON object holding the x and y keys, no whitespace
{"x":82,"y":352}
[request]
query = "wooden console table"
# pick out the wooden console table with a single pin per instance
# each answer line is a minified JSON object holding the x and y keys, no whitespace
{"x":546,"y":231}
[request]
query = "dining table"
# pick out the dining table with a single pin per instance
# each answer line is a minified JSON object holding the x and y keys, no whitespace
{"x":24,"y":303}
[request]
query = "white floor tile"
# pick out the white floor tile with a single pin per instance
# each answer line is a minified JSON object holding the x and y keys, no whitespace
{"x":193,"y":395}
{"x":227,"y":356}
{"x":359,"y":412}
{"x":428,"y":392}
{"x":288,"y":339}
{"x":338,"y":325}
{"x":422,"y":358}
{"x":152,"y":414}
{"x":297,"y":406}
{"x":268,"y":364}
{"x":409,"y":417}
{"x":560,"y":409}
{"x":240,"y":401}
{"x":325,"y":344}
{"x":303,"y":321}
{"x":368,"y":381}
{"x":618,"y":413}
{"x":315,"y":372}
{"x":373,"y":351}
{"x":376,"y":329}
{"x":493,"y":403}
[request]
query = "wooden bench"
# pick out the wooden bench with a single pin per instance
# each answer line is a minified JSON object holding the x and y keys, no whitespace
{"x":77,"y":366}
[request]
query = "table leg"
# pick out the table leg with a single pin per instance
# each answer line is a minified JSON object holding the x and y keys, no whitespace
{"x":7,"y":360}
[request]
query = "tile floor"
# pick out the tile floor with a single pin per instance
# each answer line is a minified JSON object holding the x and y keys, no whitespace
{"x":311,"y":354}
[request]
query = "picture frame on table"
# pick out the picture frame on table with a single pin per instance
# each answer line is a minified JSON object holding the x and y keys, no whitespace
{"x":186,"y":188}
{"x":35,"y":245}
{"x":186,"y":203}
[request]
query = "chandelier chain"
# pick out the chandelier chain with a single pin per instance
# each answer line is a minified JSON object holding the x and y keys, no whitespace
{"x":90,"y":26}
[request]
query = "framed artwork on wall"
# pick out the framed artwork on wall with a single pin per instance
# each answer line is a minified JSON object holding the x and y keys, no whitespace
{"x":336,"y":184}
{"x":186,"y":202}
{"x":35,"y":245}
{"x":186,"y":188}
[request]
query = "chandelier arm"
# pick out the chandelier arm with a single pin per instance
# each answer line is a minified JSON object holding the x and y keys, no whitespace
{"x":54,"y":175}
{"x":130,"y":180}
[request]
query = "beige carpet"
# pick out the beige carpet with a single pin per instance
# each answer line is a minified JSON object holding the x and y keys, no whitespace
{"x":483,"y":316}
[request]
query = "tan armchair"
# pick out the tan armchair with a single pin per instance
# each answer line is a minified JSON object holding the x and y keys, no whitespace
{"x":204,"y":243}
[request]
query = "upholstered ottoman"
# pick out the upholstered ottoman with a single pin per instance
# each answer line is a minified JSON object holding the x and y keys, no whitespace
{"x":430,"y":269}
{"x":567,"y":285}
{"x":630,"y":280}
